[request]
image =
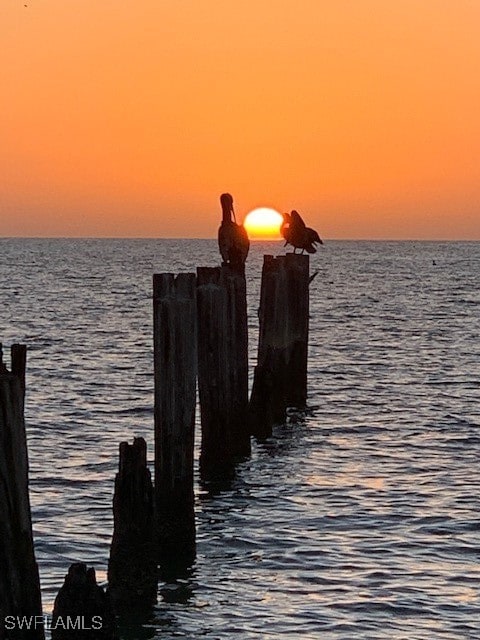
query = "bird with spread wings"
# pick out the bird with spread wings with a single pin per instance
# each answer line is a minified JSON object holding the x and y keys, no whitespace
{"x":297,"y":234}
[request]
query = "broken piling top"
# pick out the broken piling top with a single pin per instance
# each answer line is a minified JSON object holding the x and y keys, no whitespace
{"x":13,"y":443}
{"x":133,"y":484}
{"x":132,"y":565}
{"x":132,"y":456}
{"x":82,"y":600}
{"x":18,"y":356}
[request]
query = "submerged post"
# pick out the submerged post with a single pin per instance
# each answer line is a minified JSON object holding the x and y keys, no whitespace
{"x":280,"y":377}
{"x":175,"y":364}
{"x":222,"y":369}
{"x":132,"y":569}
{"x":19,"y":581}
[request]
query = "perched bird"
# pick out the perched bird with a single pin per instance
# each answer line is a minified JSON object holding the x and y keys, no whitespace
{"x":297,"y":234}
{"x":233,"y":240}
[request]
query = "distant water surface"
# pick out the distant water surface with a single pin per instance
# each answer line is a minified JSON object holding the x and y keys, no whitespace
{"x":359,"y":520}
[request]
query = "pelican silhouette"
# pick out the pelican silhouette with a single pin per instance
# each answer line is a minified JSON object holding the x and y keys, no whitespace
{"x":233,"y":240}
{"x":297,"y":234}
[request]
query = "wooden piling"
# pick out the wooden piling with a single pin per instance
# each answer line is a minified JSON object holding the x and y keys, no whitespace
{"x":19,"y":581}
{"x":132,"y":569}
{"x":82,"y":609}
{"x":175,"y":365}
{"x":222,"y":369}
{"x":298,"y":280}
{"x":280,"y":377}
{"x":19,"y":363}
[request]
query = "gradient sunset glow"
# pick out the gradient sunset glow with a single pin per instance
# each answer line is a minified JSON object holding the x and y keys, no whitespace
{"x":131,"y":118}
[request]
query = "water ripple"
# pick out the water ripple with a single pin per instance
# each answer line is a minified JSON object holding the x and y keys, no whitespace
{"x":356,"y":520}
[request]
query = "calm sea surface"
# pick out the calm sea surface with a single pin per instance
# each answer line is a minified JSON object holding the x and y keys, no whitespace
{"x":359,"y":520}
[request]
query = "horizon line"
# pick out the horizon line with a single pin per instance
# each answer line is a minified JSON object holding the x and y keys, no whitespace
{"x":386,"y":239}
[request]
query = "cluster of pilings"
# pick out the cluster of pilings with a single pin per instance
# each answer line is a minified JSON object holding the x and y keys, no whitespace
{"x":200,"y":333}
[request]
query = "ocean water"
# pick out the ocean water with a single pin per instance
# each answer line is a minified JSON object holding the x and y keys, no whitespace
{"x":360,"y":519}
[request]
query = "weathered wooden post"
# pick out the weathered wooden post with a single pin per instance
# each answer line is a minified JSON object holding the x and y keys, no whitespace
{"x":298,"y":279}
{"x":19,"y":582}
{"x":132,"y":569}
{"x":222,"y":369}
{"x":280,"y":377}
{"x":19,"y":364}
{"x":175,"y":365}
{"x":82,"y":609}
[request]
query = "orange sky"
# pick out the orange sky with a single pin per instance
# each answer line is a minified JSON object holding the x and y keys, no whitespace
{"x":130,"y":117}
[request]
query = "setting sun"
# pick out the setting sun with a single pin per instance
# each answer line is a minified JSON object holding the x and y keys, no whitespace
{"x":263,"y":223}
